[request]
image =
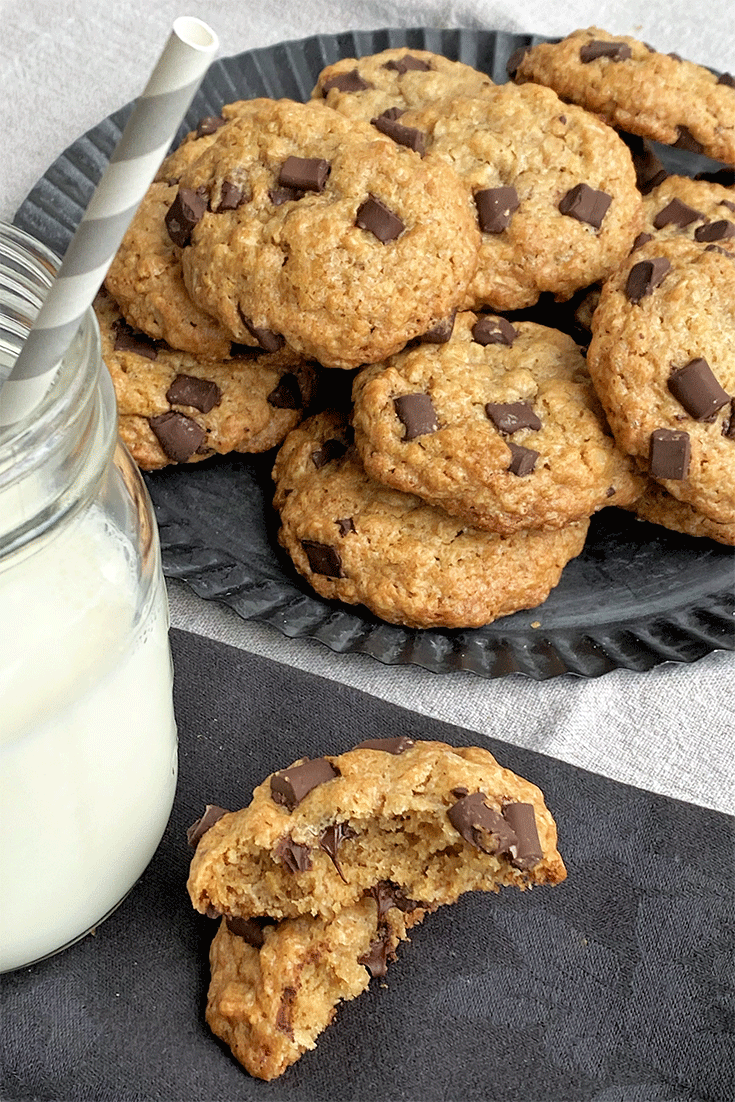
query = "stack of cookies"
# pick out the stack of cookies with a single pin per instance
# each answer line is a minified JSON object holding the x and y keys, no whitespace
{"x":404,"y":225}
{"x":320,"y":878}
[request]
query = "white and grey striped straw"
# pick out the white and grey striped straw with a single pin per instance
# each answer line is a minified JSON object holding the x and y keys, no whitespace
{"x":144,"y":142}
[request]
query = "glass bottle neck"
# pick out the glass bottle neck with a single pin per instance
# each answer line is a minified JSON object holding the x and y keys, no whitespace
{"x":50,"y":463}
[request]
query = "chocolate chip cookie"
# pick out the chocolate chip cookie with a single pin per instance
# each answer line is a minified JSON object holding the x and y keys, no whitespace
{"x":553,"y":190}
{"x":361,"y":542}
{"x":380,"y":86}
{"x":661,"y":360}
{"x":179,"y":408}
{"x":146,"y":282}
{"x":500,"y":425}
{"x":637,"y":89}
{"x":275,"y":986}
{"x":695,"y":209}
{"x":659,"y":507}
{"x":302,"y":226}
{"x":433,"y":819}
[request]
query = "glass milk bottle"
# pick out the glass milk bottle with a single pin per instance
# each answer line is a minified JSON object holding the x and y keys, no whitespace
{"x":87,"y":732}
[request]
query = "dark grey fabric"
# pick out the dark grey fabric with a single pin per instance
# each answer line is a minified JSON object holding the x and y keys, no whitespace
{"x":615,"y":986}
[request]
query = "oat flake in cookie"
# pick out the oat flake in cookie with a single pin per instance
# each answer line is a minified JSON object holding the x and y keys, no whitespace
{"x":178,"y":408}
{"x":639,"y":90}
{"x":326,"y":234}
{"x":661,"y":358}
{"x":516,"y":439}
{"x":358,"y":541}
{"x":553,"y":187}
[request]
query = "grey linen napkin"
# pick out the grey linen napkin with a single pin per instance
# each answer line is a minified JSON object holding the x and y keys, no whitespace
{"x":614,"y":986}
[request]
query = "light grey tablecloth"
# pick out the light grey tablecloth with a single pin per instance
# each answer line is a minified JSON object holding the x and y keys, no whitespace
{"x":67,"y":64}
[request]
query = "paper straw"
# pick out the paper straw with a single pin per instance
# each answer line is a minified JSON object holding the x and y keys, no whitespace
{"x":144,"y":143}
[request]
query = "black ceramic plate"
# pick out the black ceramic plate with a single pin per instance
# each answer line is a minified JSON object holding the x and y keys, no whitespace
{"x":637,"y":596}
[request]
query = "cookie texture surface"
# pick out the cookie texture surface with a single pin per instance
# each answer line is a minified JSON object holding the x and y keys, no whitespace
{"x":325,"y":233}
{"x":434,"y":820}
{"x":275,"y":987}
{"x":513,"y":435}
{"x":662,"y":363}
{"x":361,"y":542}
{"x":178,"y":408}
{"x":146,"y":281}
{"x":680,"y":207}
{"x":659,"y":507}
{"x":639,"y":90}
{"x":394,"y":80}
{"x":553,"y":188}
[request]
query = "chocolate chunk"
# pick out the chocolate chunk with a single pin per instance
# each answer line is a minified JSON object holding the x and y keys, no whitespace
{"x":670,"y":454}
{"x":440,"y":333}
{"x":727,"y":79}
{"x":184,"y":213}
{"x":387,"y":894}
{"x":586,"y":205}
{"x":724,"y":176}
{"x":244,"y":351}
{"x":323,"y":559}
{"x":641,"y":239}
{"x":649,"y":171}
{"x":408,"y":61}
{"x":295,"y":856}
{"x":697,"y":389}
{"x":676,"y":213}
{"x":492,"y":330}
{"x":209,"y":125}
{"x":726,"y":202}
{"x":281,"y":195}
{"x":266,"y":338}
{"x":728,"y":425}
{"x":330,"y":449}
{"x":527,"y":851}
{"x":304,"y":173}
{"x":509,"y":417}
{"x":402,"y":135}
{"x":251,"y":930}
{"x":346,"y":82}
{"x":331,"y":839}
{"x":189,"y":390}
{"x":686,"y":140}
{"x":212,"y":814}
{"x":345,"y":525}
{"x":417,"y":413}
{"x":514,"y":61}
{"x":719,"y":249}
{"x":231,"y":196}
{"x":393,"y":113}
{"x":374,"y":216}
{"x":615,"y":51}
{"x":721,"y":230}
{"x":645,"y":276}
{"x":460,"y":791}
{"x":284,"y":1015}
{"x":479,"y":825}
{"x":397,"y":745}
{"x":287,"y":395}
{"x":128,"y":339}
{"x":522,"y":460}
{"x":495,"y":207}
{"x":376,"y":958}
{"x":289,"y":786}
{"x":179,"y":436}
